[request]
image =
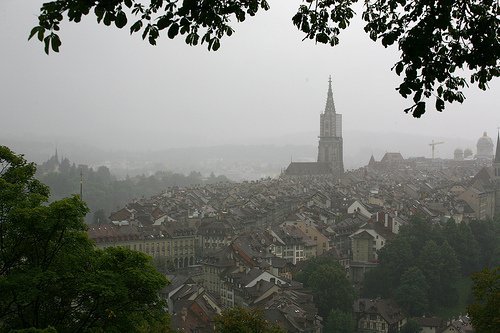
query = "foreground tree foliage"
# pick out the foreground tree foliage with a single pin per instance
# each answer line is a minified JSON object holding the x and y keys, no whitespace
{"x":421,"y":266}
{"x":329,"y":284}
{"x":412,"y":293}
{"x":52,"y":278}
{"x":485,"y":311}
{"x":244,"y":321}
{"x":437,"y":39}
{"x":340,"y":322}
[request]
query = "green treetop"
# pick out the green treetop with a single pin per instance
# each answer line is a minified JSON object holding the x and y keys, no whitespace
{"x":52,"y":277}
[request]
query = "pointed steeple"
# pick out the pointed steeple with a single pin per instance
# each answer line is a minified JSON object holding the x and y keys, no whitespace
{"x":497,"y":154}
{"x":330,"y":105}
{"x":372,"y":160}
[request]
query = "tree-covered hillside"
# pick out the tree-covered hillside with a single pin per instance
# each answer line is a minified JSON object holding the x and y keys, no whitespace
{"x":103,"y":192}
{"x":424,"y":266}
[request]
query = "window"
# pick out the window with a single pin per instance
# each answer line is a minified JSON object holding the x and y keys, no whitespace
{"x":373,"y":317}
{"x":383,"y":326}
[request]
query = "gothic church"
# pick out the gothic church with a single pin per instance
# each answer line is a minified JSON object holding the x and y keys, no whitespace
{"x":330,"y":148}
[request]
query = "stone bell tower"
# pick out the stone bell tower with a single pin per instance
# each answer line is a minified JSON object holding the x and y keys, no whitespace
{"x":330,"y":147}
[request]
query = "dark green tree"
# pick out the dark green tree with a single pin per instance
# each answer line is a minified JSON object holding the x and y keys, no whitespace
{"x":463,"y":242}
{"x":417,"y":232}
{"x":411,"y":326}
{"x":51,"y":275}
{"x":396,"y":257}
{"x":487,"y":236}
{"x":411,"y":295}
{"x":437,"y":40}
{"x":330,"y":286}
{"x":376,"y":284}
{"x":485,"y":310}
{"x":449,"y":274}
{"x":243,"y":320}
{"x":430,"y":264}
{"x":340,"y":322}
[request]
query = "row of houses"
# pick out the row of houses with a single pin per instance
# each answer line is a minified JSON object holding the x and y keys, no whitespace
{"x":243,"y":241}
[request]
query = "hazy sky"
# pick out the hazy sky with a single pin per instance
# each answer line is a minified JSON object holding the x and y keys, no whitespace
{"x":108,"y":88}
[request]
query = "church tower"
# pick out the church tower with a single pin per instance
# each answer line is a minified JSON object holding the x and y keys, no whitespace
{"x":496,"y":161}
{"x":330,"y":147}
{"x":496,"y":176}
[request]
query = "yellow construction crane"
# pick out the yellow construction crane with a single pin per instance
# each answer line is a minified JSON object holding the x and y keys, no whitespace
{"x":433,"y":145}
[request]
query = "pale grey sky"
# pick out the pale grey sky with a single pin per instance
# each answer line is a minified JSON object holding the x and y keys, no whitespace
{"x":110,"y":89}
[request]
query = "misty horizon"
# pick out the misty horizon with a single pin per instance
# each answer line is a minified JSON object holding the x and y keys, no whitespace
{"x":246,"y":110}
{"x":109,"y":90}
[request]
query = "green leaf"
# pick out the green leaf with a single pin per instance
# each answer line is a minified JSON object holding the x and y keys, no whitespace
{"x":215,"y":44}
{"x":419,"y":110}
{"x":418,"y":96}
{"x":55,"y":42}
{"x":99,"y":13}
{"x":108,"y":18}
{"x":173,"y":30}
{"x":163,"y":22}
{"x":399,"y":68}
{"x":41,"y":34}
{"x":120,"y":20}
{"x":136,"y":27}
{"x":146,"y":31}
{"x":439,"y":104}
{"x":33,"y":32}
{"x":46,"y":41}
{"x":440,"y":91}
{"x":322,"y":38}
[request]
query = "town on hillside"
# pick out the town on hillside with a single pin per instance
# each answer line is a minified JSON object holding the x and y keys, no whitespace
{"x":377,"y":249}
{"x":242,"y":244}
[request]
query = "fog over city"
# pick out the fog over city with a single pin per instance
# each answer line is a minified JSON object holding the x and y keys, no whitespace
{"x":109,"y":93}
{"x":275,"y":185}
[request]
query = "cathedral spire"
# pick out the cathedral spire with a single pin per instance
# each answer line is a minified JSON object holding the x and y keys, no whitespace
{"x":330,"y":105}
{"x":497,"y":154}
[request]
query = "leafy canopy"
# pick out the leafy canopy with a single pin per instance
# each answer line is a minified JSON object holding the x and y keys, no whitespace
{"x":442,"y":43}
{"x":53,"y":278}
{"x":340,"y":322}
{"x":243,"y":320}
{"x":329,"y":284}
{"x":485,"y":311}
